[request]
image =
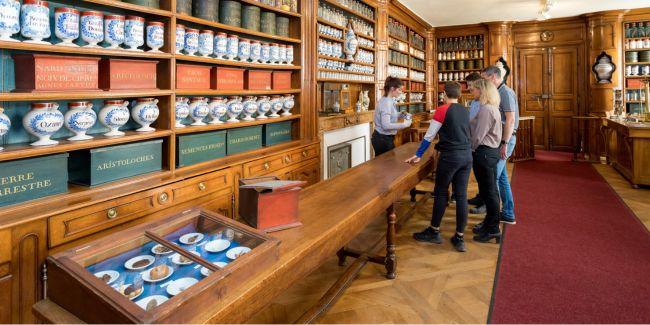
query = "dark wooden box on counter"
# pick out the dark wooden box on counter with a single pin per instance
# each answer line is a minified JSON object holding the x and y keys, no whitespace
{"x":96,"y":166}
{"x":182,"y":291}
{"x":224,"y":78}
{"x":258,"y":80}
{"x":281,"y":80}
{"x":33,"y":178}
{"x":44,"y":72}
{"x":121,"y":74}
{"x":191,"y":76}
{"x":269,"y":204}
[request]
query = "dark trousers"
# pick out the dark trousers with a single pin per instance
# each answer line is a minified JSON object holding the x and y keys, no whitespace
{"x":453,"y":167}
{"x":382,"y":143}
{"x":485,"y":170}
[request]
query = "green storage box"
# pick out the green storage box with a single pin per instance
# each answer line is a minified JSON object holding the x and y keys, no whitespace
{"x":33,"y":178}
{"x":92,"y":167}
{"x":244,"y":139}
{"x":275,"y":133}
{"x":196,"y":148}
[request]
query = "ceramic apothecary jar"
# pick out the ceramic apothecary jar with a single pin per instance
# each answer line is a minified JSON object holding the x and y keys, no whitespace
{"x":235,"y":108}
{"x":66,"y":25}
{"x":180,"y":38}
{"x":155,"y":36}
{"x":263,"y":107}
{"x":35,"y":20}
{"x":191,"y":41}
{"x":276,"y":106}
{"x":220,"y":45}
{"x":134,"y":33}
{"x":218,"y":109}
{"x":198,"y":110}
{"x":114,"y":30}
{"x":5,"y":124}
{"x":92,"y":27}
{"x":114,"y":115}
{"x":42,"y":121}
{"x":182,"y":111}
{"x":145,"y":112}
{"x":9,"y":19}
{"x":287,"y":105}
{"x":250,"y":108}
{"x":79,"y":118}
{"x":206,"y":40}
{"x":233,"y":47}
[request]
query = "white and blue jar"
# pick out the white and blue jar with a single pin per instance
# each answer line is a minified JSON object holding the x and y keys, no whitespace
{"x":5,"y":124}
{"x":250,"y":108}
{"x":288,"y":104}
{"x":220,"y":45}
{"x":9,"y":19}
{"x":79,"y":118}
{"x":275,"y":53}
{"x":42,"y":121}
{"x":66,"y":25}
{"x":133,"y":33}
{"x":233,"y":47}
{"x":256,"y":51}
{"x":182,"y":109}
{"x":191,"y":41}
{"x":35,"y":19}
{"x":218,"y":109}
{"x":263,"y":107}
{"x":244,"y":51}
{"x":114,"y":115}
{"x":179,"y":43}
{"x":234,"y":109}
{"x":206,"y":39}
{"x":145,"y":112}
{"x":92,"y":27}
{"x":290,"y":54}
{"x":155,"y":36}
{"x":283,"y":54}
{"x":199,"y":110}
{"x":265,"y":56}
{"x":276,"y":106}
{"x":114,"y":30}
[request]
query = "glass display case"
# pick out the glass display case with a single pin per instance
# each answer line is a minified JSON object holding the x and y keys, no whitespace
{"x":170,"y":270}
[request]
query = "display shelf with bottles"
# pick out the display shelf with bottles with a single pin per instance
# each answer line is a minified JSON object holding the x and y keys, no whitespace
{"x":636,"y":43}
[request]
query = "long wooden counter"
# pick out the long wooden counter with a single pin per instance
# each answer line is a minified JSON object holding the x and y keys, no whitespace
{"x":333,"y":212}
{"x":628,"y":149}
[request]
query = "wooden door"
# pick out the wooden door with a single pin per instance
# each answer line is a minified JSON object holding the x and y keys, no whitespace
{"x":548,"y":90}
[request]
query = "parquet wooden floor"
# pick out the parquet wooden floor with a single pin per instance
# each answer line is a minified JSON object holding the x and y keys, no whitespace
{"x":435,"y":284}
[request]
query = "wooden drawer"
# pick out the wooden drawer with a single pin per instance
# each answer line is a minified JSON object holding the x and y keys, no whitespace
{"x":265,"y":166}
{"x":222,"y":204}
{"x":309,"y":173}
{"x":203,"y":185}
{"x":85,"y":221}
{"x":5,"y":300}
{"x":304,"y":154}
{"x":332,"y":123}
{"x":5,"y":247}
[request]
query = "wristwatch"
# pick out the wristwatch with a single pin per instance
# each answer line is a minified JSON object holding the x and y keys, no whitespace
{"x":503,"y":142}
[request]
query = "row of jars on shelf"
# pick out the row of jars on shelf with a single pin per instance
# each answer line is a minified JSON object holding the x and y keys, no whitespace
{"x":330,"y":31}
{"x":463,"y":43}
{"x":460,"y":65}
{"x":235,"y":108}
{"x":417,"y":40}
{"x":635,"y":95}
{"x":342,"y":66}
{"x":417,"y":75}
{"x":32,"y":20}
{"x":345,"y":76}
{"x":637,"y":70}
{"x":417,"y":53}
{"x":338,"y":17}
{"x":358,"y":7}
{"x":418,"y":64}
{"x":397,"y":44}
{"x":641,"y":43}
{"x":399,"y":58}
{"x":230,"y":47}
{"x":637,"y":29}
{"x":397,"y":71}
{"x":452,"y":76}
{"x":397,"y":29}
{"x":234,"y":13}
{"x":460,"y":55}
{"x":45,"y":119}
{"x":416,"y":97}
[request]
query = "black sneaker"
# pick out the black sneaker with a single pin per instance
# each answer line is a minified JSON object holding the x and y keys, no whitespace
{"x":459,"y":243}
{"x":508,"y":220}
{"x":486,"y":235}
{"x":428,"y":235}
{"x":477,"y":228}
{"x":475,"y":201}
{"x":478,"y":210}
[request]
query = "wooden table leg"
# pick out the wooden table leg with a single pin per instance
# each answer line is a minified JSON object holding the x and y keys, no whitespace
{"x":391,"y":259}
{"x":341,"y":255}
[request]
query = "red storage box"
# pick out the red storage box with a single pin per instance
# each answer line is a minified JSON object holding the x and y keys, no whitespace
{"x":224,"y":78}
{"x":281,"y":80}
{"x":120,"y":74}
{"x":258,"y":80}
{"x":269,"y":204}
{"x":44,"y":72}
{"x":189,"y":76}
{"x":634,"y":83}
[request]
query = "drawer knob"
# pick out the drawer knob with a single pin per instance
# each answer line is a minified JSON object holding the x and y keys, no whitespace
{"x":266,"y":166}
{"x":162,"y":198}
{"x":304,"y":153}
{"x":111,"y":213}
{"x":202,"y":186}
{"x":287,"y":159}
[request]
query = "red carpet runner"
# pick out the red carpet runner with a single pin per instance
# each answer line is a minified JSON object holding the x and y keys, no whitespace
{"x":577,"y":253}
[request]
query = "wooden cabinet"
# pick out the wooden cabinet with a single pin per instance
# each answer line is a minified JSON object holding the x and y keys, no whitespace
{"x":629,"y":150}
{"x":29,"y":249}
{"x":344,"y":120}
{"x":281,"y":165}
{"x":309,"y":173}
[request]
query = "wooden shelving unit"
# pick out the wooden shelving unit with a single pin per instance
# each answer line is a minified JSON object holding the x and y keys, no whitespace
{"x":398,"y":45}
{"x":634,"y":84}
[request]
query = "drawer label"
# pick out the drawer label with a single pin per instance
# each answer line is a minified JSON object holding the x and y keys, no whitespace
{"x":197,"y":148}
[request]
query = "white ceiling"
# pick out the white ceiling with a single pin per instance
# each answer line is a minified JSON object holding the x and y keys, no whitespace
{"x":461,"y":12}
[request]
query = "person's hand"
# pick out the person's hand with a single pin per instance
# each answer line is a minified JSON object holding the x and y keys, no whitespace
{"x":407,"y":123}
{"x":412,"y":160}
{"x":504,"y":151}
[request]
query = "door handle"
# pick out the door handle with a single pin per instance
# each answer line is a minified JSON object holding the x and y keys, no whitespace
{"x":546,"y":96}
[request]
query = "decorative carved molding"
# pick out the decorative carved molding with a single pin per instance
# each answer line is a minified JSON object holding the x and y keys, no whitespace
{"x":546,"y":36}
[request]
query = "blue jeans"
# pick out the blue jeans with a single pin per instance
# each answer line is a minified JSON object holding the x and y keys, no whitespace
{"x":507,"y":203}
